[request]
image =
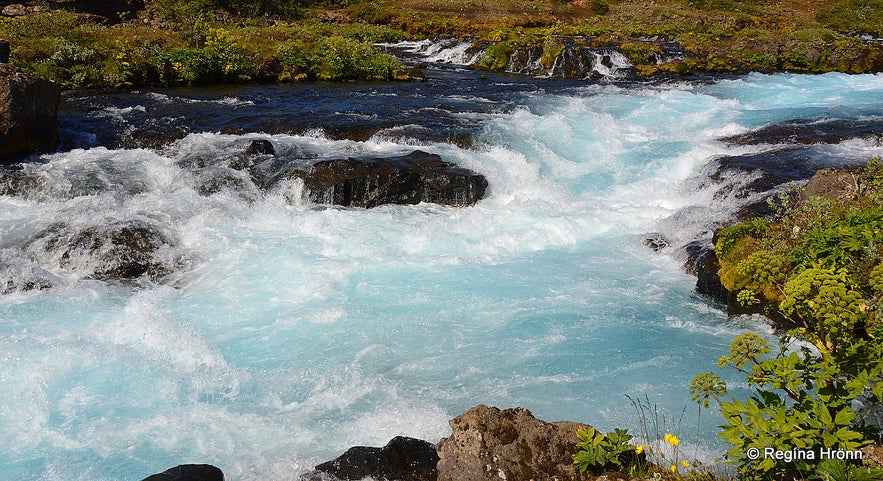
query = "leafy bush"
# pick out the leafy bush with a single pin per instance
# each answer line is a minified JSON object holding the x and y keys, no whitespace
{"x":337,"y":58}
{"x":220,"y":60}
{"x":598,"y":451}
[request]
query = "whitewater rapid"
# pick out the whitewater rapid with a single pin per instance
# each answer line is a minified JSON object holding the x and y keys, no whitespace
{"x":290,"y":331}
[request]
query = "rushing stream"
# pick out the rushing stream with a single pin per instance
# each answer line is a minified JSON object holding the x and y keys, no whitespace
{"x":279,"y":332}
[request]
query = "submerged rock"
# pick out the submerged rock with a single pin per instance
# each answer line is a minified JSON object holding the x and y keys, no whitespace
{"x":20,"y":276}
{"x":189,"y":472}
{"x":260,"y":147}
{"x":402,"y":459}
{"x":407,"y":179}
{"x":28,"y":113}
{"x":489,"y":444}
{"x":116,"y":251}
{"x":820,"y":131}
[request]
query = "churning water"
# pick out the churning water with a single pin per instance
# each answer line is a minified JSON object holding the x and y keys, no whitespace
{"x":287,"y":332}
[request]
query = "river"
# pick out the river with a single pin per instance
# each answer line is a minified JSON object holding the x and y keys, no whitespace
{"x":286,"y":331}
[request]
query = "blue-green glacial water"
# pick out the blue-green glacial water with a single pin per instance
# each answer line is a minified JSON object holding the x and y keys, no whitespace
{"x":290,"y":331}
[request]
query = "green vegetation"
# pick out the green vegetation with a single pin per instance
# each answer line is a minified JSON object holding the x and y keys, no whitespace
{"x":188,"y":45}
{"x":819,"y":265}
{"x":205,"y":41}
{"x":598,"y":451}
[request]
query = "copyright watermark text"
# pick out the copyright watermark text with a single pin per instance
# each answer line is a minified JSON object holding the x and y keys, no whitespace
{"x":796,"y":454}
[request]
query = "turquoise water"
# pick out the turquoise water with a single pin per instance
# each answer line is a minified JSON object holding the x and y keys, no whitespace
{"x":294,"y":331}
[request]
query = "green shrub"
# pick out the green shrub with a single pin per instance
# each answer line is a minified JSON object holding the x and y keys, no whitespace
{"x":598,"y":451}
{"x":821,"y":266}
{"x":339,"y":58}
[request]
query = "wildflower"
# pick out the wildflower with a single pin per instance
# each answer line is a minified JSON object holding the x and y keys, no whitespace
{"x":674,"y":468}
{"x":672,"y":439}
{"x":685,"y":464}
{"x":639,"y":449}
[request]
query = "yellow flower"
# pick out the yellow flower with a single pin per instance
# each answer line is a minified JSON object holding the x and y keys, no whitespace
{"x":672,"y":439}
{"x":639,"y":449}
{"x":685,"y":464}
{"x":674,"y":468}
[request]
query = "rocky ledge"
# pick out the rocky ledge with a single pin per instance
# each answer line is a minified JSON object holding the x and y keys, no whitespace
{"x":351,"y":182}
{"x":486,"y":444}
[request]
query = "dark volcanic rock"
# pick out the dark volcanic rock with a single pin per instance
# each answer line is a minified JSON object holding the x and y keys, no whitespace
{"x":260,"y":147}
{"x":115,"y":251}
{"x":820,"y":131}
{"x":702,"y":263}
{"x":189,"y":472}
{"x":402,"y":459}
{"x":761,"y":173}
{"x":407,"y":179}
{"x":28,"y":113}
{"x":488,"y":444}
{"x":655,"y":241}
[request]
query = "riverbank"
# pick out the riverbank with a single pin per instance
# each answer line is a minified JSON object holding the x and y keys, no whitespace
{"x":185,"y":43}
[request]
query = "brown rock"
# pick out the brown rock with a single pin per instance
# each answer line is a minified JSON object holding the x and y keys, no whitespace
{"x":15,"y":10}
{"x":873,"y":456}
{"x":28,"y":113}
{"x":834,"y":184}
{"x":488,"y":444}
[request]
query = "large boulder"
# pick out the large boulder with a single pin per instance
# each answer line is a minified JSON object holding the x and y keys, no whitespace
{"x":28,"y":113}
{"x":189,"y":472}
{"x":402,"y":459}
{"x":406,"y":179}
{"x":489,"y":444}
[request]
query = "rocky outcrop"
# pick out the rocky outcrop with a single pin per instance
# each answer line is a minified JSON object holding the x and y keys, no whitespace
{"x":407,"y":179}
{"x":28,"y":114}
{"x":402,"y":459}
{"x":489,"y":444}
{"x":189,"y":472}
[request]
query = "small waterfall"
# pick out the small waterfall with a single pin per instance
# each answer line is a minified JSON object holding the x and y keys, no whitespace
{"x":572,"y":62}
{"x":446,"y":50}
